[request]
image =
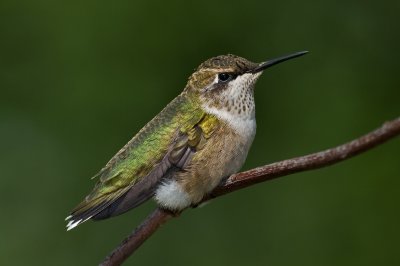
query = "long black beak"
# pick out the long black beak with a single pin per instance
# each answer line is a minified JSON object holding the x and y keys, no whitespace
{"x":275,"y":61}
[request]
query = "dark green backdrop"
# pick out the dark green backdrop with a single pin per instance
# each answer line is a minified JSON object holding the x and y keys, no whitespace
{"x":79,"y":78}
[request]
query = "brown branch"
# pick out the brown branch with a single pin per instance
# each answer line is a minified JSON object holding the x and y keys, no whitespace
{"x":257,"y":175}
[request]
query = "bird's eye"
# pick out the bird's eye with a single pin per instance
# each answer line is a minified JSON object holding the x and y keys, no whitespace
{"x":224,"y":77}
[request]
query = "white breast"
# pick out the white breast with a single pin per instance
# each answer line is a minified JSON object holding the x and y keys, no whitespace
{"x":245,"y":126}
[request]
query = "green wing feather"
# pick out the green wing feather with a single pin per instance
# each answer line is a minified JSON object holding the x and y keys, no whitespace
{"x":140,"y":156}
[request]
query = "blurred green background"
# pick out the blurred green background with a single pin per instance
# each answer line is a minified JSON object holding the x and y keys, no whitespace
{"x":79,"y":78}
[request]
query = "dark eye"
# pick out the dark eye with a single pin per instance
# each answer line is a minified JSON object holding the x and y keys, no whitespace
{"x":224,"y":77}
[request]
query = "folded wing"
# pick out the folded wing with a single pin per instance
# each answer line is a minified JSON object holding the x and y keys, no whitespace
{"x":165,"y":145}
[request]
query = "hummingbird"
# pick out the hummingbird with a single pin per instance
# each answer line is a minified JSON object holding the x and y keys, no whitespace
{"x":201,"y":137}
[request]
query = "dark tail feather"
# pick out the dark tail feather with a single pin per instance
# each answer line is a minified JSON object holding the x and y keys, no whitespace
{"x":108,"y":208}
{"x":76,"y":218}
{"x":129,"y":200}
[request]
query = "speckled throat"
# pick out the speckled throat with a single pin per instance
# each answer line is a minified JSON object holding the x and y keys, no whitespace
{"x":237,"y":98}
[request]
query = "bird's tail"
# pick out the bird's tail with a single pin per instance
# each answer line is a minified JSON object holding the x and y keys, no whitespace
{"x":85,"y":211}
{"x":90,"y":207}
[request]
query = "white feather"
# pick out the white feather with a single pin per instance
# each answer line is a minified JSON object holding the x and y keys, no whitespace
{"x":171,"y":196}
{"x":72,"y":224}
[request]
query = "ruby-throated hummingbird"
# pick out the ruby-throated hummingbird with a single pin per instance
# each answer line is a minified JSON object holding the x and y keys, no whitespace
{"x":183,"y":153}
